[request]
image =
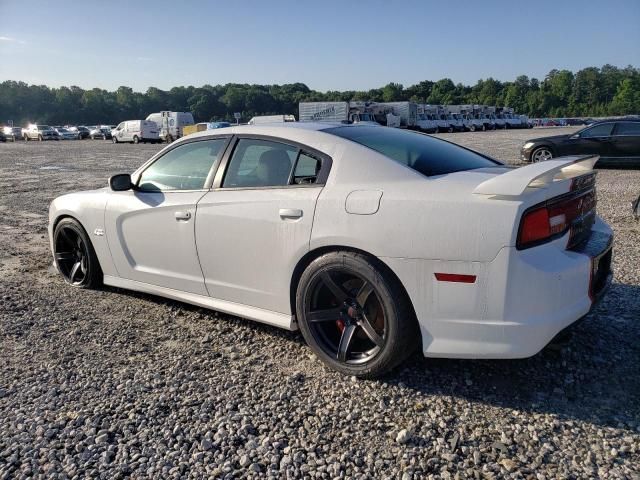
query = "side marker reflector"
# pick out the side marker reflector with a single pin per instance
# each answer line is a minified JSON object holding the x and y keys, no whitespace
{"x":455,"y":277}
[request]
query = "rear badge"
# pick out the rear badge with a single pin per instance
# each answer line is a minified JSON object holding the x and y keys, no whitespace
{"x":98,"y":232}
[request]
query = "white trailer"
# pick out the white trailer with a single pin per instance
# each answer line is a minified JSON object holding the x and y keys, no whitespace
{"x":271,"y":119}
{"x":170,"y":124}
{"x":346,"y":112}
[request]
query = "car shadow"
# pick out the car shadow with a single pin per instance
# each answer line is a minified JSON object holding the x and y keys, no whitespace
{"x":592,"y":377}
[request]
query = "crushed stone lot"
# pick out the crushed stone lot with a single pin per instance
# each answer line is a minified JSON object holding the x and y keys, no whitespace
{"x":115,"y":384}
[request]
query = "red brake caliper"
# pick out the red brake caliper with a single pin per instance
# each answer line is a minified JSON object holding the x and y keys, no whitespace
{"x":340,"y":325}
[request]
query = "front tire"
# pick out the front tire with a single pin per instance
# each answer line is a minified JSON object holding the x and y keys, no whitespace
{"x":354,"y":314}
{"x":74,"y":255}
{"x":450,"y":130}
{"x":40,"y":139}
{"x":114,"y":139}
{"x":541,"y":154}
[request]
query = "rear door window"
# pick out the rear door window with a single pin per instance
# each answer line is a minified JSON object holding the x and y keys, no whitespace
{"x":260,"y":163}
{"x":629,"y":129}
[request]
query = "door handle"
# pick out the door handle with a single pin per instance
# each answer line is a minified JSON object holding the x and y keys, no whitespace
{"x":184,"y":216}
{"x":290,"y":213}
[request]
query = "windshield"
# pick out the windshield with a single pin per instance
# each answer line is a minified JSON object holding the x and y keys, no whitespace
{"x":423,"y":153}
{"x":44,"y":127}
{"x":62,"y":130}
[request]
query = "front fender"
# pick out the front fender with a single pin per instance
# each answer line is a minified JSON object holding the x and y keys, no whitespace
{"x":88,"y":209}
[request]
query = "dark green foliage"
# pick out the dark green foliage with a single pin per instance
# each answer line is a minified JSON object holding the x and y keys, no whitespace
{"x":589,"y":92}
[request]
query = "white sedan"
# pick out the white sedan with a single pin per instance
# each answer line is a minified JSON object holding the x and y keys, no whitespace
{"x":371,"y":240}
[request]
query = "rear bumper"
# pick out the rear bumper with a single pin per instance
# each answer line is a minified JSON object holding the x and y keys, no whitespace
{"x":520,"y":301}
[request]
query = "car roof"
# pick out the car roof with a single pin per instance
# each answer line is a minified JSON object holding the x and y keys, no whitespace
{"x":295,"y":131}
{"x":609,"y":120}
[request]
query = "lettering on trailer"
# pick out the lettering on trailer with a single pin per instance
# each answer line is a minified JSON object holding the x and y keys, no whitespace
{"x":324,"y":113}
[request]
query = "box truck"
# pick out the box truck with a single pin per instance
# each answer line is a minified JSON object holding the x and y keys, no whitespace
{"x":407,"y":111}
{"x":472,"y":118}
{"x":346,"y":112}
{"x":511,"y":120}
{"x":171,"y":124}
{"x":426,"y":120}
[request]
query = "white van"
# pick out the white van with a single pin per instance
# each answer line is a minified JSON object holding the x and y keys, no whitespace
{"x":170,"y":124}
{"x":136,"y":131}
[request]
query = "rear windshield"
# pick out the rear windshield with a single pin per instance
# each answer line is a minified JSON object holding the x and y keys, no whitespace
{"x":427,"y":155}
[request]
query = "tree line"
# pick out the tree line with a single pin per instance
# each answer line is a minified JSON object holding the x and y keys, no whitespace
{"x":592,"y":91}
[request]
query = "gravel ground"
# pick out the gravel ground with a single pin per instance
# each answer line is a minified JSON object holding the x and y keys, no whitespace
{"x":112,"y":384}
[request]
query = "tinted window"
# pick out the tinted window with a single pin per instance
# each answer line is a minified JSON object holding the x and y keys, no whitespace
{"x":260,"y":163}
{"x":628,"y":128}
{"x":183,"y":168}
{"x":307,"y":169}
{"x":427,"y":155}
{"x":602,"y":130}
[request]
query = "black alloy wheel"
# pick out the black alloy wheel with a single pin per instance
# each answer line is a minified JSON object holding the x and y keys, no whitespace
{"x":345,"y":316}
{"x":74,"y":256}
{"x":355,"y":317}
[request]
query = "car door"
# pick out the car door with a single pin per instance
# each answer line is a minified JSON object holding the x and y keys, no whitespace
{"x":626,"y":141}
{"x":119,"y":131}
{"x":595,"y":140}
{"x":255,"y":224}
{"x":150,"y":229}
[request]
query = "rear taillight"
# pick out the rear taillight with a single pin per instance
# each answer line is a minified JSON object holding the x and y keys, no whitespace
{"x":534,"y":227}
{"x":552,"y":219}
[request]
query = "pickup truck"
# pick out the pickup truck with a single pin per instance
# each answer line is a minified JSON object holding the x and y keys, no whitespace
{"x":39,"y":132}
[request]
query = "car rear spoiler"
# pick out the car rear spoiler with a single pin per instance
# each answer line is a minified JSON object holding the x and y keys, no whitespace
{"x":516,"y":181}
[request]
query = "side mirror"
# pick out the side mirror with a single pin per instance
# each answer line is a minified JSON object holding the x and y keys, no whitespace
{"x":120,"y":182}
{"x":636,"y":208}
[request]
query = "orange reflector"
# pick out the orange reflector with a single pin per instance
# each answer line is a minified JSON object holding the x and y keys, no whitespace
{"x":455,"y":277}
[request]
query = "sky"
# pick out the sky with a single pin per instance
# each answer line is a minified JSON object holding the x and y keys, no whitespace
{"x":326,"y":44}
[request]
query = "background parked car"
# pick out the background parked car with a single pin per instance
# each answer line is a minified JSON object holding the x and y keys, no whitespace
{"x":616,"y":141}
{"x":66,"y":134}
{"x":12,"y":133}
{"x":102,"y":132}
{"x":39,"y":132}
{"x":3,"y":137}
{"x":83,"y":132}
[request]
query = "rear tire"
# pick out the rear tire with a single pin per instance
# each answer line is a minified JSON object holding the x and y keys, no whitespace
{"x":450,"y":130}
{"x":355,"y":315}
{"x":40,"y":139}
{"x":472,"y":128}
{"x":136,"y":140}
